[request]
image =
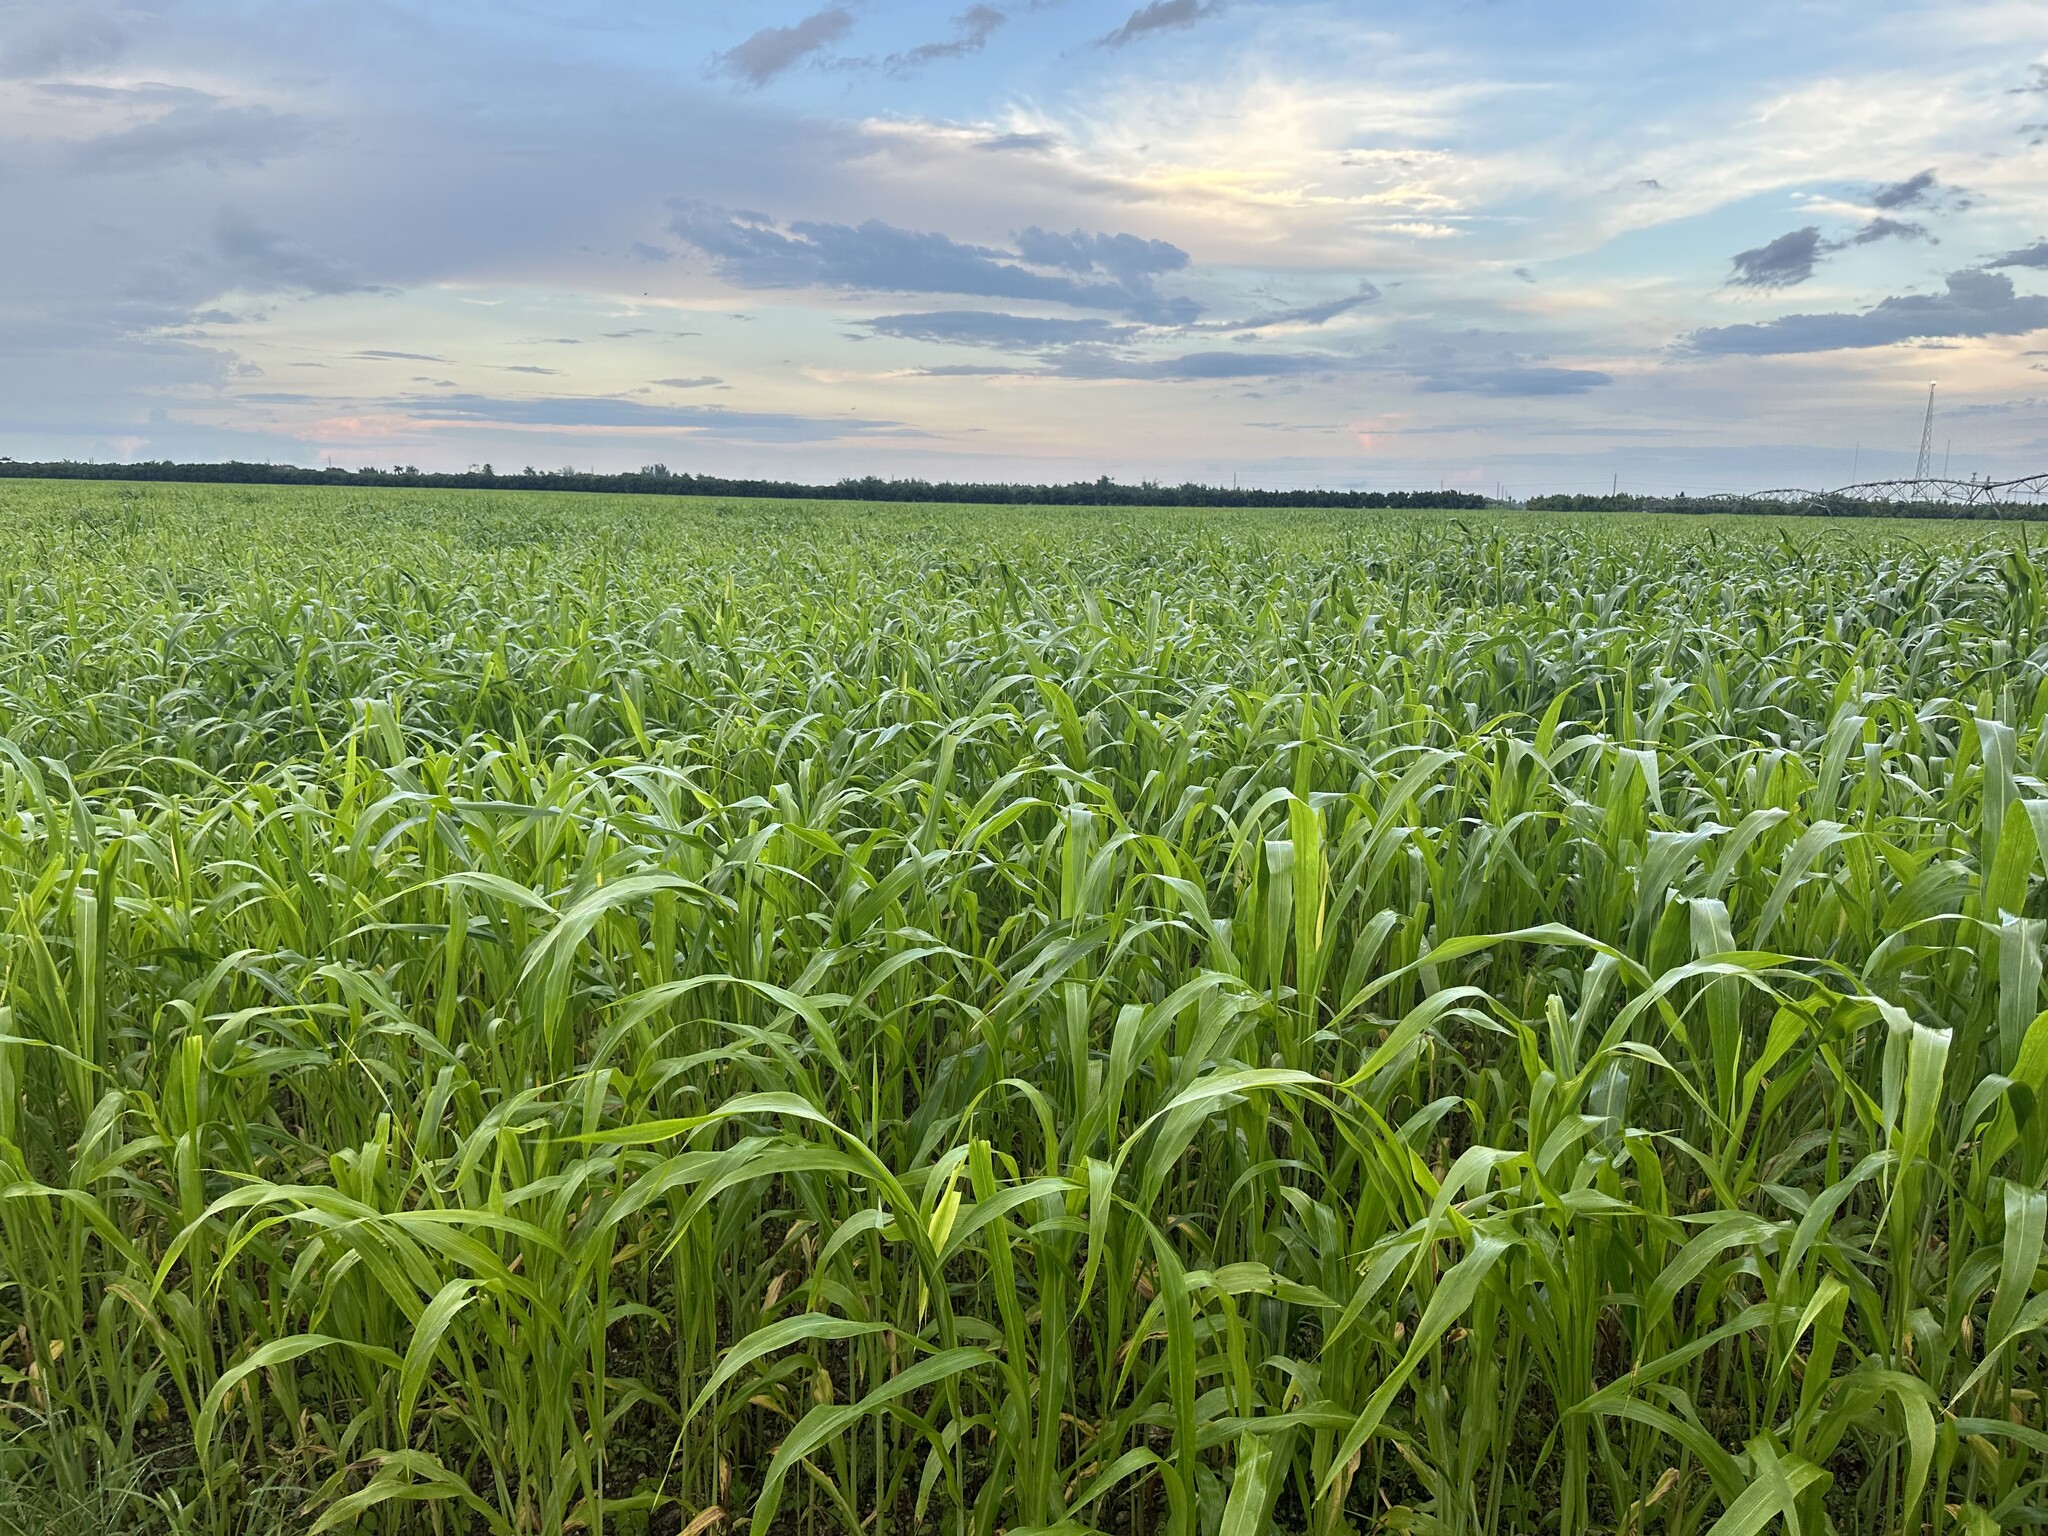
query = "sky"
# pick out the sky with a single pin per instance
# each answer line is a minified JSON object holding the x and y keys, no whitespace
{"x":1490,"y":244}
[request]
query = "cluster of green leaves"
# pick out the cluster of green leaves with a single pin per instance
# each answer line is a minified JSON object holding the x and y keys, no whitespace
{"x":526,"y":1014}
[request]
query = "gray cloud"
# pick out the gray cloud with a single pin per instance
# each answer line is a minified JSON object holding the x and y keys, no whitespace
{"x":148,"y":94}
{"x":1791,"y":258}
{"x":987,"y":328}
{"x":531,"y":368}
{"x":1887,"y":229}
{"x":702,"y":381}
{"x":966,"y":371}
{"x":77,"y":42}
{"x":2035,"y":255}
{"x":1976,"y":303}
{"x":409,"y":357}
{"x":1082,"y":359}
{"x":1785,"y":261}
{"x":772,"y":50}
{"x":262,"y":261}
{"x":1127,"y":258}
{"x":1095,"y":350}
{"x":1020,"y":143}
{"x":1160,"y":16}
{"x":1511,"y":379}
{"x":414,"y":187}
{"x":973,"y":28}
{"x":1305,"y":314}
{"x":206,"y":134}
{"x":1200,"y":367}
{"x":1915,"y":189}
{"x":2036,"y":134}
{"x":600,"y":411}
{"x":749,"y":249}
{"x":1246,"y":365}
{"x":1516,"y":381}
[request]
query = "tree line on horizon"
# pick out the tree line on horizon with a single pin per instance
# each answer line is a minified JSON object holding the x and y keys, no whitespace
{"x":658,"y":479}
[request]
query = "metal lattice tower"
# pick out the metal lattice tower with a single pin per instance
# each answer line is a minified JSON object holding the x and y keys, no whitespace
{"x":1926,"y":439}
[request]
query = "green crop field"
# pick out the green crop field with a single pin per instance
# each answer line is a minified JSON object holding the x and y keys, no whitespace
{"x":528,"y":1014}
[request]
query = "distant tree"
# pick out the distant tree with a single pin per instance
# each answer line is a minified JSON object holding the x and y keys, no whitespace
{"x":659,"y":478}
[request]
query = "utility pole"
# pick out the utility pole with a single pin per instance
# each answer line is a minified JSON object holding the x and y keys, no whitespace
{"x":1951,"y":448}
{"x":1615,"y":489}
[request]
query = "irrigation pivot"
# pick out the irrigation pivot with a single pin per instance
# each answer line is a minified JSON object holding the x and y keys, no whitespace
{"x":1921,"y":467}
{"x":1920,"y":490}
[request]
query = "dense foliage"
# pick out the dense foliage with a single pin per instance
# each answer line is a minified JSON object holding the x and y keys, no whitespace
{"x":659,"y":480}
{"x":532,"y":1014}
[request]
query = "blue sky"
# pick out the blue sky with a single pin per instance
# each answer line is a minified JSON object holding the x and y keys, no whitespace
{"x":1480,"y":242}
